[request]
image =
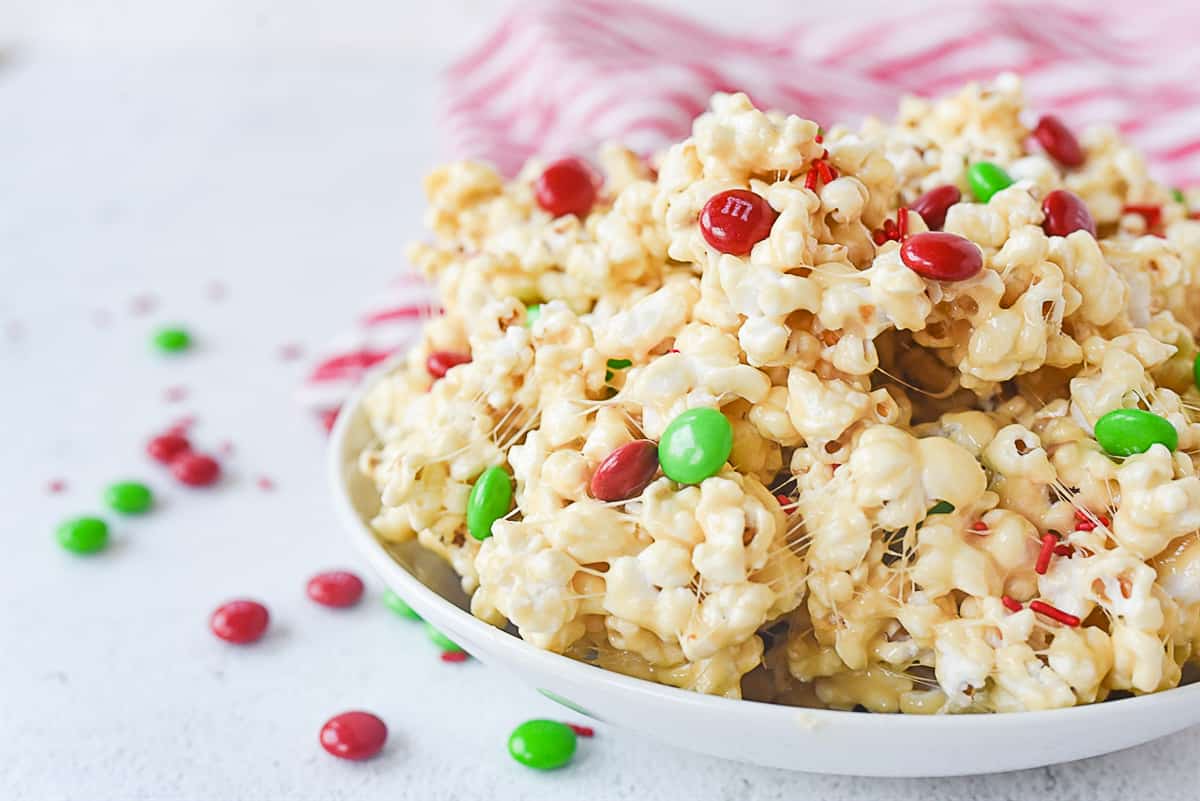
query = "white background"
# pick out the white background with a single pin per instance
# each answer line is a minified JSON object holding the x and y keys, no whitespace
{"x":152,"y":148}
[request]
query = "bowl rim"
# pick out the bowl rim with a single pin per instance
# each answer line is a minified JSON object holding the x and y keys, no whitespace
{"x":409,"y":587}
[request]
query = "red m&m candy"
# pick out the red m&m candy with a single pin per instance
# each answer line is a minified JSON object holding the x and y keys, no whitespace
{"x":736,"y":220}
{"x":354,"y":735}
{"x":567,"y":186}
{"x":438,"y":362}
{"x":941,"y":256}
{"x":337,"y":588}
{"x":625,"y":472}
{"x":240,"y":621}
{"x":1058,"y":141}
{"x":196,"y":469}
{"x":933,"y":205}
{"x":1065,"y":214}
{"x":165,"y":448}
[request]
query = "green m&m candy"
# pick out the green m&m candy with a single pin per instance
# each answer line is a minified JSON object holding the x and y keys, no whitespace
{"x":532,"y":313}
{"x":1125,"y":432}
{"x":172,"y":340}
{"x":695,"y":445}
{"x":441,"y":640}
{"x":129,"y":497}
{"x":489,"y":501}
{"x":986,"y":179}
{"x":399,"y":606}
{"x":542,"y":744}
{"x":1196,"y":371}
{"x":83,"y":535}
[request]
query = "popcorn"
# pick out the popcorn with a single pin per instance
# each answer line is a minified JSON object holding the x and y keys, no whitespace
{"x":903,"y":449}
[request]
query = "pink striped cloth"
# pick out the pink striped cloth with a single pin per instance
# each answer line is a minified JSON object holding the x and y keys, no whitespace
{"x":559,"y":78}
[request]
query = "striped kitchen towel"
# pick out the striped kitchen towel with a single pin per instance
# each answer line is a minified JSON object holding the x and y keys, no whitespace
{"x":563,"y":77}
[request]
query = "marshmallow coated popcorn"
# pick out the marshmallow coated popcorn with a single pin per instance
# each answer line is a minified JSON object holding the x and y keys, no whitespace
{"x":915,"y":514}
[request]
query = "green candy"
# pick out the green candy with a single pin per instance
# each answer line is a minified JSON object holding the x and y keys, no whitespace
{"x":532,"y":313}
{"x":129,"y":497}
{"x":542,"y":744}
{"x":1178,"y":196}
{"x":1125,"y":432}
{"x":172,"y":340}
{"x":83,"y":535}
{"x":986,"y":179}
{"x":441,"y":640}
{"x":399,"y":606}
{"x":489,"y":501}
{"x":940,"y":508}
{"x":619,"y":364}
{"x":1196,"y":371}
{"x":695,"y":445}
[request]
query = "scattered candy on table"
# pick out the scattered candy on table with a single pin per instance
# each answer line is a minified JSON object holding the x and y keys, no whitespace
{"x":196,"y":469}
{"x":129,"y":497}
{"x":354,"y":735}
{"x":566,"y":186}
{"x":735,"y":220}
{"x":441,"y":640}
{"x":399,"y":605}
{"x":1124,"y":432}
{"x":986,"y":179}
{"x":489,"y":500}
{"x":941,"y":256}
{"x":695,"y":445}
{"x":172,"y":340}
{"x":83,"y":535}
{"x":335,"y":588}
{"x":542,"y":744}
{"x":241,"y":621}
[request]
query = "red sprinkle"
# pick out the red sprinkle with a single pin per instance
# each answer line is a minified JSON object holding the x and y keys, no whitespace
{"x":1043,"y":560}
{"x":291,"y":352}
{"x":56,"y":486}
{"x":736,"y":220}
{"x":240,"y":621}
{"x":1150,"y":213}
{"x":354,"y":735}
{"x":783,"y":500}
{"x":979,"y":525}
{"x":440,"y":361}
{"x":582,"y":731}
{"x":265,"y":484}
{"x":1010,"y":603}
{"x":1043,"y":608}
{"x":143,"y":304}
{"x":175,"y":394}
{"x":567,"y":186}
{"x":196,"y":469}
{"x":336,"y":588}
{"x":1063,"y":550}
{"x":166,"y":448}
{"x":934,"y":204}
{"x":455,"y":656}
{"x":1058,"y":141}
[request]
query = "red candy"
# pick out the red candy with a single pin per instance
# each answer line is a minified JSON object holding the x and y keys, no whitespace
{"x":735,"y":220}
{"x":933,"y":205}
{"x":165,"y":448}
{"x":239,"y":622}
{"x":455,"y":656}
{"x":625,"y":472}
{"x":1058,"y":141}
{"x":336,"y":588}
{"x":941,"y":257}
{"x":440,"y":361}
{"x":354,"y":735}
{"x":568,"y":186}
{"x":1150,"y":213}
{"x":196,"y":469}
{"x":1065,"y":214}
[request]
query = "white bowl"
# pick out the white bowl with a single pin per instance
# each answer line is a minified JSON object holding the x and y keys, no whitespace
{"x":818,"y":741}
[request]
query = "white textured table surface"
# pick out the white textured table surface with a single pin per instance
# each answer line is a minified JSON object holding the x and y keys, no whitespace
{"x":263,"y":147}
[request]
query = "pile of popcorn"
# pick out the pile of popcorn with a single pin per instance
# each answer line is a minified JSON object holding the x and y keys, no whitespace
{"x":899,"y":419}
